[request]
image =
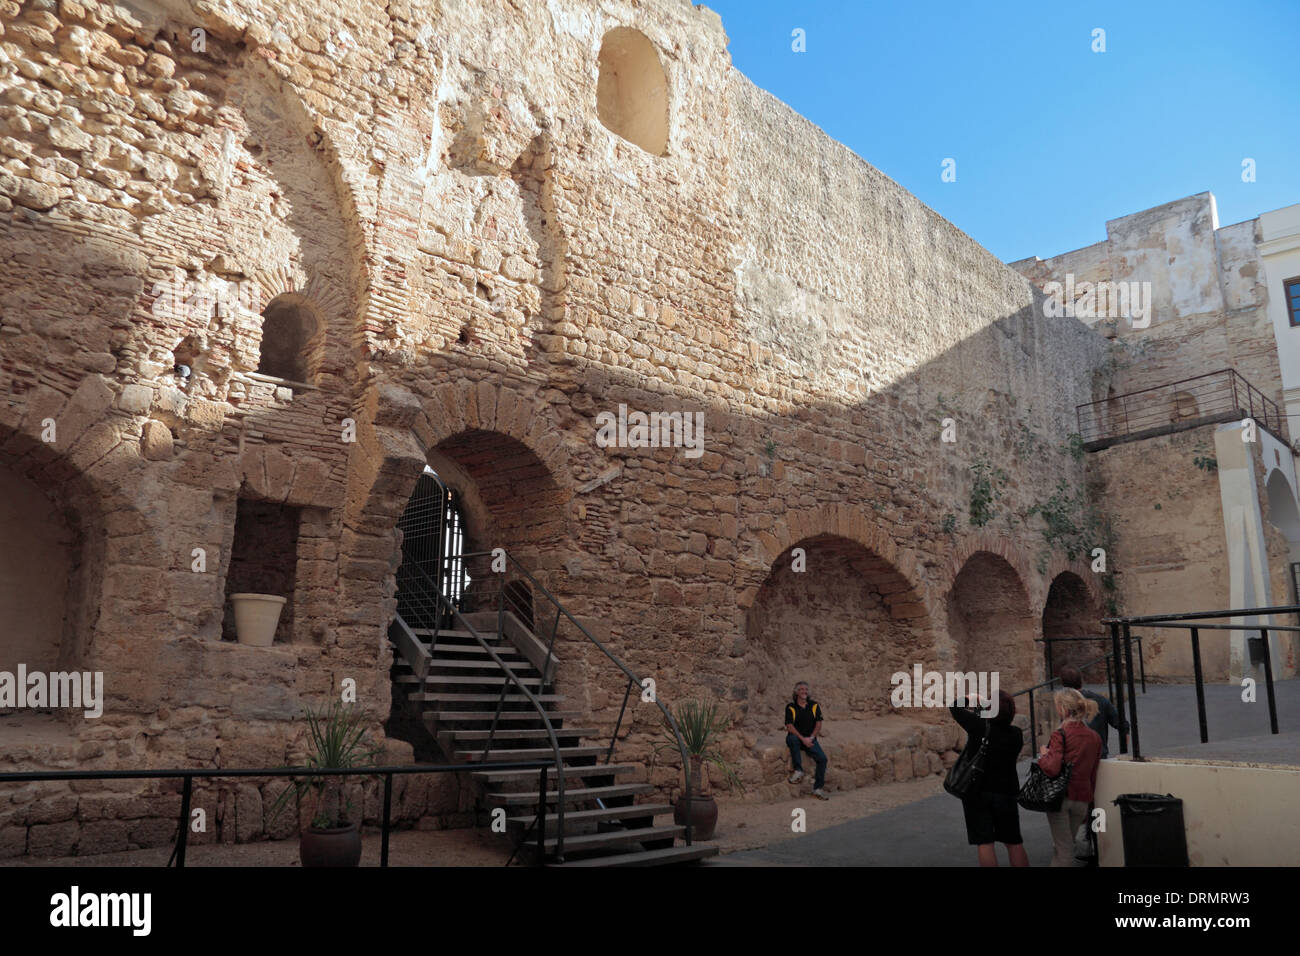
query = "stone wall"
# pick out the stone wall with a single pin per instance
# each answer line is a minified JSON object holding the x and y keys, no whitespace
{"x":488,"y":268}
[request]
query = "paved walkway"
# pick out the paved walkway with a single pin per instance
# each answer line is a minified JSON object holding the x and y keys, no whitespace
{"x":931,"y":832}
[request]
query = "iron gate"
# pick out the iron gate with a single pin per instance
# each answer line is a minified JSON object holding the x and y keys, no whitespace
{"x":433,"y":540}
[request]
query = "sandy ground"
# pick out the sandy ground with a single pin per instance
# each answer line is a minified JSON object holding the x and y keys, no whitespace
{"x":741,"y":826}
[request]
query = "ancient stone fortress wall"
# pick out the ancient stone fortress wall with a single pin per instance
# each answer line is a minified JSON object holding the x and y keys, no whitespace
{"x":264,"y":262}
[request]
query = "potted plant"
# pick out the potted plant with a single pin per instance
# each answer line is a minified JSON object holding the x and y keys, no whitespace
{"x":256,"y":617}
{"x":701,"y":725}
{"x":337,"y":740}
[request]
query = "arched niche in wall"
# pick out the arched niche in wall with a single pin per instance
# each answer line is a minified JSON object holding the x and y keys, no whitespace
{"x":291,"y":340}
{"x":632,"y":91}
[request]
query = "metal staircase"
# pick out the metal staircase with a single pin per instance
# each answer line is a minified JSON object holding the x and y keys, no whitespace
{"x":483,"y":684}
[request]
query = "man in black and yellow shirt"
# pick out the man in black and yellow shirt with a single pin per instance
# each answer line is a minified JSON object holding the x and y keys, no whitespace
{"x":803,"y":725}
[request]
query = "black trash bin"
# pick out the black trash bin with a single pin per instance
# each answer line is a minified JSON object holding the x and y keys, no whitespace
{"x":1152,"y":825}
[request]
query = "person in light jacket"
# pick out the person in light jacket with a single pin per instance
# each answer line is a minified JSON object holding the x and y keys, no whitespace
{"x":1077,"y":744}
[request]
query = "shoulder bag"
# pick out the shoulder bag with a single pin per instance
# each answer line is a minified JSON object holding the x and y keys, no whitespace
{"x":1043,"y":793}
{"x":964,"y":776}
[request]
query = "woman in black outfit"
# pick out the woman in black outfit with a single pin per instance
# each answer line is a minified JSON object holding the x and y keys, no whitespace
{"x":992,"y":814}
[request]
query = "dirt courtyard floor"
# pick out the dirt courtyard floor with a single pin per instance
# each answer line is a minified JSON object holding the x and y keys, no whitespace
{"x":741,"y":826}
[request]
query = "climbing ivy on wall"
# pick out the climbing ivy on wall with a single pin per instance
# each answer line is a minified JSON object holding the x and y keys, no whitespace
{"x":986,"y":489}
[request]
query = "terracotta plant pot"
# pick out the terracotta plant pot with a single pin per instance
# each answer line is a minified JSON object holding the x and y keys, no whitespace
{"x":337,"y":846}
{"x":703,"y":814}
{"x":256,"y":617}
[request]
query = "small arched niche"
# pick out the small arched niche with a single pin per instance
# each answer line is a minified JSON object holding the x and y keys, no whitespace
{"x":290,"y":340}
{"x":632,"y":92}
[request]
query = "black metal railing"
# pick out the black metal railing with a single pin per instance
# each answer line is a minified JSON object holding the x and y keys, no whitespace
{"x":1110,"y":681}
{"x":189,"y":776}
{"x":1122,"y":638}
{"x":1029,"y":691}
{"x":429,"y":604}
{"x":1220,"y":396}
{"x":501,"y":582}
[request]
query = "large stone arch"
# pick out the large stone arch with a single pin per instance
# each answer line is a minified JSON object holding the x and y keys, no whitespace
{"x":991,"y":621}
{"x":1005,"y":548}
{"x":70,"y":488}
{"x":768,"y":544}
{"x":405,"y":432}
{"x":837,"y":613}
{"x":1073,"y":609}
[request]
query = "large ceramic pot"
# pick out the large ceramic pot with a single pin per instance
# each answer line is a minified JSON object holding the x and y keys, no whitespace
{"x":703,"y":815}
{"x":256,"y":617}
{"x":337,"y":846}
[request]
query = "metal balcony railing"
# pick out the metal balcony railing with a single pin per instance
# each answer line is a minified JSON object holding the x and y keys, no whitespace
{"x":1221,"y":396}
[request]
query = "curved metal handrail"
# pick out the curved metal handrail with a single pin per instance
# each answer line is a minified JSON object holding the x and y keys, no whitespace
{"x":537,"y":705}
{"x":681,"y":744}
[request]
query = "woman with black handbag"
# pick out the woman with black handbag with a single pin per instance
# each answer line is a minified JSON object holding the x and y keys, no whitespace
{"x":985,"y":778}
{"x":1077,"y":746}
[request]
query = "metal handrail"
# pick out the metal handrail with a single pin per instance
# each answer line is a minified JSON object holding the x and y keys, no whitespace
{"x":633,"y":678}
{"x":1033,"y":726}
{"x":188,"y":776}
{"x":1124,"y":625}
{"x":1100,"y":425}
{"x":537,"y":705}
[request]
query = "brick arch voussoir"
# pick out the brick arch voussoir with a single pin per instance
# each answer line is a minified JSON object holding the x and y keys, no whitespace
{"x":1082,"y":570}
{"x":504,"y":409}
{"x":846,"y":522}
{"x":975,"y":542}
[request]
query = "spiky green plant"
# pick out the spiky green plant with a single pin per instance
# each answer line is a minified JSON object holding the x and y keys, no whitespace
{"x":337,"y":739}
{"x":702,"y":724}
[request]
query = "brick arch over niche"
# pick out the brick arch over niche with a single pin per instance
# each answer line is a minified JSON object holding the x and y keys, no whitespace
{"x":471,"y":426}
{"x":61,"y":522}
{"x":1073,"y":610}
{"x":840,"y":616}
{"x":991,"y":621}
{"x":1002,"y":546}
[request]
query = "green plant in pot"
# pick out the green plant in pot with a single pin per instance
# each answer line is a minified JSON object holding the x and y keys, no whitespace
{"x":337,"y":739}
{"x":701,"y":724}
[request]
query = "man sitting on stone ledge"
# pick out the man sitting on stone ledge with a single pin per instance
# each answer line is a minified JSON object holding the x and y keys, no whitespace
{"x":803,"y":724}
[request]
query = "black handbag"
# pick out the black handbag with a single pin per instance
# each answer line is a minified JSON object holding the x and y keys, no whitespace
{"x":1043,"y":793}
{"x":964,"y":776}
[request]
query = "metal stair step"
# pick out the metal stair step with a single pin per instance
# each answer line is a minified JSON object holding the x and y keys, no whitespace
{"x":468,"y":679}
{"x":595,"y":841}
{"x":634,"y":812}
{"x":442,"y":696}
{"x":504,"y":650}
{"x":508,"y":733}
{"x":524,"y":798}
{"x":528,"y":776}
{"x":664,"y":857}
{"x":539,"y":753}
{"x":485,"y":716}
{"x":452,"y":632}
{"x":481,"y":665}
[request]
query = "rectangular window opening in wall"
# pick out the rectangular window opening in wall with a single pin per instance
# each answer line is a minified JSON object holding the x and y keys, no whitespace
{"x":1291,"y":297}
{"x":263,"y":561}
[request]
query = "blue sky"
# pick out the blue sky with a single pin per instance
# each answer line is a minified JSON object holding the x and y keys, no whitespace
{"x":1050,"y":139}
